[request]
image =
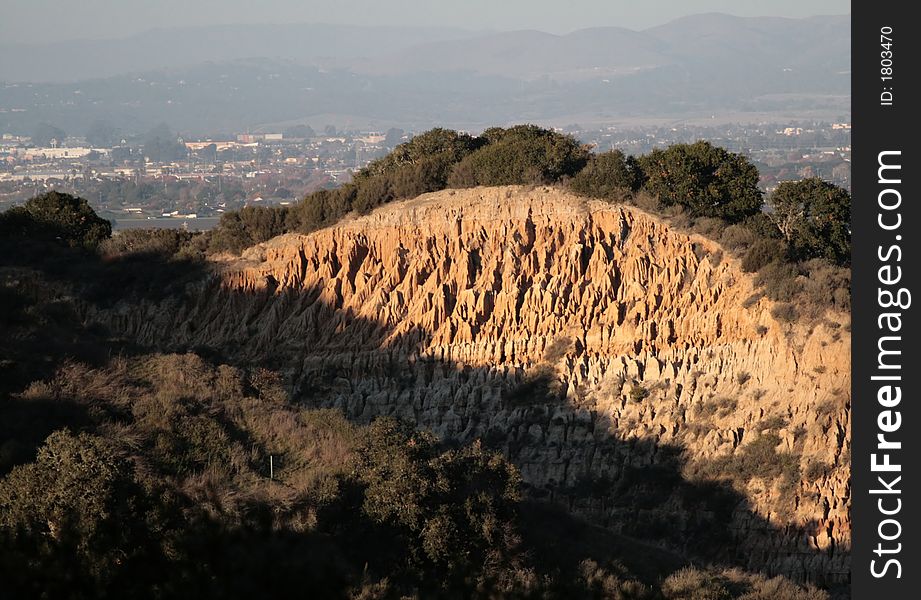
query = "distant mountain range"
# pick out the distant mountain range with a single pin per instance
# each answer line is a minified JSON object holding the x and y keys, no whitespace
{"x":226,"y":78}
{"x":184,"y":47}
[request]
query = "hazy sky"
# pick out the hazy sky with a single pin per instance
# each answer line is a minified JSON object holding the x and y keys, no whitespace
{"x":49,"y":20}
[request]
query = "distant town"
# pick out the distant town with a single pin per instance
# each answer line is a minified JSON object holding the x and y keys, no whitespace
{"x":161,"y":179}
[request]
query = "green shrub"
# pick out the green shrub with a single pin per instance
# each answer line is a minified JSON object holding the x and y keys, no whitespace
{"x":162,"y":242}
{"x":523,"y":154}
{"x":814,"y":217}
{"x":762,"y":253}
{"x":437,"y":149}
{"x":246,"y":227}
{"x":638,"y":393}
{"x":454,"y":506}
{"x":785,"y":312}
{"x":609,"y":175}
{"x":705,"y":179}
{"x":68,"y":521}
{"x":56,"y":217}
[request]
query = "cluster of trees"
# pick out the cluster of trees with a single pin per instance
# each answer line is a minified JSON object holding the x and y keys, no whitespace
{"x":706,"y":180}
{"x":520,"y":155}
{"x":429,"y":162}
{"x":165,"y":490}
{"x":814,"y":219}
{"x":56,"y":217}
{"x":811,"y":216}
{"x":809,"y":219}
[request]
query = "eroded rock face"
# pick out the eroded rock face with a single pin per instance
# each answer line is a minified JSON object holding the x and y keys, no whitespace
{"x":587,"y":341}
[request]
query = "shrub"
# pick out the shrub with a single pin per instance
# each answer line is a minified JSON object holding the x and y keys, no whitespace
{"x":600,"y":582}
{"x":68,"y":519}
{"x":520,"y":155}
{"x":816,"y":470}
{"x":710,"y":227}
{"x":373,"y":192}
{"x":246,"y":227}
{"x":648,"y":202}
{"x":762,"y":253}
{"x":162,"y":242}
{"x":761,"y":225}
{"x":693,"y":584}
{"x":719,"y":407}
{"x":779,"y":588}
{"x":438,"y":149}
{"x":707,"y":180}
{"x":56,"y":217}
{"x":761,"y":459}
{"x":557,"y":349}
{"x":752,"y":300}
{"x":785,"y":312}
{"x":780,"y":281}
{"x":638,"y":393}
{"x":827,"y":285}
{"x":454,"y":506}
{"x":814,"y":217}
{"x":539,"y":386}
{"x":772,"y":423}
{"x":738,"y":236}
{"x":609,"y":175}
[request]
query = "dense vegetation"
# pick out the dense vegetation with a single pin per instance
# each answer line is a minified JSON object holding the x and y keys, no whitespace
{"x":164,"y":488}
{"x":174,"y":477}
{"x":56,"y":217}
{"x":701,"y":180}
{"x":706,"y":180}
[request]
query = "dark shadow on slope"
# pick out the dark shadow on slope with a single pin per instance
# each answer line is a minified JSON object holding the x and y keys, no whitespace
{"x":45,"y":289}
{"x":644,"y":495}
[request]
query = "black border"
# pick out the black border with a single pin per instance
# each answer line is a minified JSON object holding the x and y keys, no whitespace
{"x":878,"y":128}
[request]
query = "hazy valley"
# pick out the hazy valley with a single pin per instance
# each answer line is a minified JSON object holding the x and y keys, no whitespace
{"x":203,"y":80}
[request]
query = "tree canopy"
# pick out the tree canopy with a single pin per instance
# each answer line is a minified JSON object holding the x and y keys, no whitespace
{"x":814,"y":217}
{"x":521,"y":155}
{"x":608,"y":175}
{"x":707,"y":180}
{"x":455,"y":508}
{"x":57,"y":216}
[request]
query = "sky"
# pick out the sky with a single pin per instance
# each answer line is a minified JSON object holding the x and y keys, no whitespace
{"x":44,"y":21}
